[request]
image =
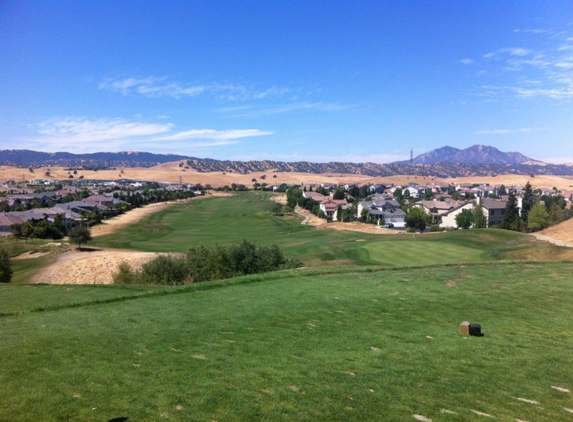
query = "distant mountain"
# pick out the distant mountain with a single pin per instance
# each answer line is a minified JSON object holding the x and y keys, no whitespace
{"x":444,"y":162}
{"x":476,"y":155}
{"x":27,"y":158}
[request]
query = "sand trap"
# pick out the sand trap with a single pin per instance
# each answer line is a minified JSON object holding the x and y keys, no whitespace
{"x":93,"y":267}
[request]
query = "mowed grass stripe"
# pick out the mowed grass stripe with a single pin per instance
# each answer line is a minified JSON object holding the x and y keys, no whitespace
{"x":356,"y":346}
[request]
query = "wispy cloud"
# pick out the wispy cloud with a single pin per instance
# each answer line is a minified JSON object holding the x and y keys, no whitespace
{"x":509,"y":131}
{"x":82,"y":134}
{"x":156,"y":87}
{"x":222,"y":136}
{"x":514,"y":51}
{"x":252,"y":111}
{"x":466,"y":61}
{"x":81,"y":129}
{"x":550,"y":67}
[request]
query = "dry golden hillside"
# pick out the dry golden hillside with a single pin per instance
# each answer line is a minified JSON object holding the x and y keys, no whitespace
{"x":175,"y":172}
{"x":562,"y":232}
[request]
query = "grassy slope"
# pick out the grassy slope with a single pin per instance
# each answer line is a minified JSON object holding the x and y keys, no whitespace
{"x":228,"y":220}
{"x":330,"y":343}
{"x":305,"y":345}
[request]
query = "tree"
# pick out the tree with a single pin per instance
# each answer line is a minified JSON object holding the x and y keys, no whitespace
{"x":80,"y":234}
{"x":464,"y":219}
{"x":478,"y":218}
{"x":417,"y":219}
{"x":528,"y":201}
{"x":364,"y":215}
{"x":511,"y":220}
{"x":339,"y":194}
{"x":293,"y":196}
{"x":348,"y":214}
{"x":339,"y":213}
{"x":5,"y":267}
{"x":538,"y":218}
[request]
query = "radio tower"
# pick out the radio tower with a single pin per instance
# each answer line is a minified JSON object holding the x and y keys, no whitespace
{"x":412,"y":156}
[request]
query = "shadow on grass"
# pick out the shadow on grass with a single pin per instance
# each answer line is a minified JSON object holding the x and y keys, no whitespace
{"x":88,"y":249}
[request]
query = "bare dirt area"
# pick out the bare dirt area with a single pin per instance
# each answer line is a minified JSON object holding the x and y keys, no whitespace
{"x":562,"y":232}
{"x":89,"y":266}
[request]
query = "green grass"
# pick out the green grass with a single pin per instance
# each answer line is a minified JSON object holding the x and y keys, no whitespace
{"x":369,"y":331}
{"x":225,"y":220}
{"x":338,"y":344}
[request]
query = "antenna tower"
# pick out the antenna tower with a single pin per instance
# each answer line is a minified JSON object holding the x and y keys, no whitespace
{"x":412,"y":156}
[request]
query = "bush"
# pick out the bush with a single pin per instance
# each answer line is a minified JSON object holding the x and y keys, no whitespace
{"x":165,"y":270}
{"x":201,"y":263}
{"x":125,"y":274}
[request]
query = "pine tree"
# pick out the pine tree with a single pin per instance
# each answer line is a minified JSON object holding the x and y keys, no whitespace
{"x":511,"y":220}
{"x":5,"y":267}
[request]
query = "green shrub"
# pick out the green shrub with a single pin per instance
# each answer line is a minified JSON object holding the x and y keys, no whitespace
{"x":165,"y":270}
{"x":125,"y":274}
{"x":201,"y":263}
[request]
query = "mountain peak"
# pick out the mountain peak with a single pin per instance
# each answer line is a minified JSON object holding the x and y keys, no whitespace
{"x":476,"y":154}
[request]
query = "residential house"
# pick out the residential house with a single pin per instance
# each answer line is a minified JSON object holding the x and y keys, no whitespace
{"x":76,"y":210}
{"x":568,"y":195}
{"x":388,"y":209}
{"x":438,"y":209}
{"x":102,"y":200}
{"x":493,"y":209}
{"x":318,"y":197}
{"x":29,"y":198}
{"x":330,"y":207}
{"x":449,"y":219}
{"x":411,"y":192}
{"x":6,"y":220}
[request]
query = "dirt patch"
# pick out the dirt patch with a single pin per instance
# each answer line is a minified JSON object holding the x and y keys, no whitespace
{"x":89,"y":267}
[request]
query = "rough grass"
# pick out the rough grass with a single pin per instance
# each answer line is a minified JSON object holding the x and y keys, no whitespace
{"x":316,"y":344}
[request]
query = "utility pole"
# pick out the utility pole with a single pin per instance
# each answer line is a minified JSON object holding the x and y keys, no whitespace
{"x":412,"y":156}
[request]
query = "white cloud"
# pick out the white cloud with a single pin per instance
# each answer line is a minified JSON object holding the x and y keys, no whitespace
{"x":157,"y":87}
{"x":551,"y":67}
{"x":508,"y":131}
{"x":80,"y":134}
{"x":219,"y":135}
{"x":246,"y":111}
{"x":553,"y":93}
{"x":514,"y":51}
{"x":74,"y":129}
{"x":466,"y":61}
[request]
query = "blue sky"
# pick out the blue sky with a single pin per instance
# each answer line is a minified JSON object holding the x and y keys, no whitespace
{"x":287,"y":80}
